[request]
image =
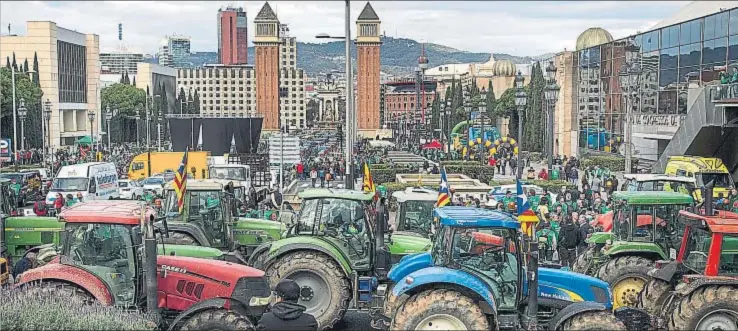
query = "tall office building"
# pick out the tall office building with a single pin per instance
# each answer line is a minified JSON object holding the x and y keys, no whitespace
{"x":232,"y":38}
{"x":288,"y":49}
{"x":174,"y":51}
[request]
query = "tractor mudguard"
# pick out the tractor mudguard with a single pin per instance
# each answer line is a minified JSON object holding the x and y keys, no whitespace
{"x":572,"y":310}
{"x":599,"y":238}
{"x":441,"y":275}
{"x":287,"y":245}
{"x":698,"y":281}
{"x":666,"y":272}
{"x":213,"y":303}
{"x":409,"y":264}
{"x":261,"y":249}
{"x":636,"y":248}
{"x":72,"y":275}
{"x":191,"y":230}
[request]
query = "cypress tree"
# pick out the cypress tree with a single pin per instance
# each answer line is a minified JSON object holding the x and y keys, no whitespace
{"x":490,"y":102}
{"x":15,"y":65}
{"x":7,"y":62}
{"x":127,"y":79}
{"x":25,"y":66}
{"x":122,"y":78}
{"x":134,"y":81}
{"x":35,"y":69}
{"x":196,"y":103}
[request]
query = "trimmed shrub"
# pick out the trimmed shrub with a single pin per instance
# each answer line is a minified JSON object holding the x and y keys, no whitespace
{"x":614,"y":163}
{"x":390,"y":174}
{"x":551,"y":185}
{"x":483,"y":173}
{"x":34,"y":309}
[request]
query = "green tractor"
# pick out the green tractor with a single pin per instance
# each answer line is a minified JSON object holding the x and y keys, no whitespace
{"x":623,"y":256}
{"x":335,"y":249}
{"x":207,"y":219}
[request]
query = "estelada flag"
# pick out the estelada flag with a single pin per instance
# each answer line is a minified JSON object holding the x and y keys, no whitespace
{"x":526,"y":216}
{"x":180,"y":182}
{"x":444,"y":197}
{"x":368,"y":181}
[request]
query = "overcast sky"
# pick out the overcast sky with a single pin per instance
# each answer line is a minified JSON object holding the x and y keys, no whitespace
{"x":518,"y":28}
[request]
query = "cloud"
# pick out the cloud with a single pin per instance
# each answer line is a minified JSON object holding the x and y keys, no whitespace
{"x":520,"y":28}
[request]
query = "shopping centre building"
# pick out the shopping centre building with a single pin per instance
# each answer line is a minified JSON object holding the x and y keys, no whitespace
{"x":660,"y":76}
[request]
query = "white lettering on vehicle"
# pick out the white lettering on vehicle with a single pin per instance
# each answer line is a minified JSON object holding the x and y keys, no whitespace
{"x":174,"y":269}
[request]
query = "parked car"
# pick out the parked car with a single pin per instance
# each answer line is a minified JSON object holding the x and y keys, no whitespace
{"x":154,"y":184}
{"x":129,"y":189}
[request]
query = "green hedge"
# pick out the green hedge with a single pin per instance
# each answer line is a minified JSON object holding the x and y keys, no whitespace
{"x":551,"y":185}
{"x":614,"y":163}
{"x":35,"y":308}
{"x":483,"y":173}
{"x":390,"y":174}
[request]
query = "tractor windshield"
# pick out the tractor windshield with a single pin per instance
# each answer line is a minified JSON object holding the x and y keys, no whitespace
{"x":416,"y":216}
{"x":728,"y":258}
{"x":105,"y":250}
{"x":698,"y":246}
{"x":492,"y":254}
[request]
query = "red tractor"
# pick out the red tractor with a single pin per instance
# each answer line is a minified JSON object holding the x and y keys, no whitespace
{"x":109,"y":254}
{"x":699,"y":289}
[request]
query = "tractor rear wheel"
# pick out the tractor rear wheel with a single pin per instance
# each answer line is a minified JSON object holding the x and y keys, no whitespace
{"x":584,"y":261}
{"x":62,"y":289}
{"x":179,"y":238}
{"x":440,"y":310}
{"x":593,"y":320}
{"x":325,"y":291}
{"x":217,"y":319}
{"x":653,"y":296}
{"x":707,"y":308}
{"x":627,"y":275}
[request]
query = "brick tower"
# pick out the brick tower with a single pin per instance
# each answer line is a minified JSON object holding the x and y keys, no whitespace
{"x":266,"y":44}
{"x":367,"y":48}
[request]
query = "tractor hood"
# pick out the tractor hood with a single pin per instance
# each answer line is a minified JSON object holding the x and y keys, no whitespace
{"x":408,"y":264}
{"x":403,"y":244}
{"x":254,"y":231}
{"x":219,"y":271}
{"x":570,"y":286}
{"x":599,"y":238}
{"x":189,"y":251}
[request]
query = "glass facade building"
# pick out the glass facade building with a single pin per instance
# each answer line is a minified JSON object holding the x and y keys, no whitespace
{"x":656,"y":75}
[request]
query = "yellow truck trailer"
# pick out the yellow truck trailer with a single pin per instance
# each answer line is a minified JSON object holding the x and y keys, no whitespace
{"x":148,"y":164}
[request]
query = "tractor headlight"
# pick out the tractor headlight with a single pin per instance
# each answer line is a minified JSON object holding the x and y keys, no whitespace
{"x":259,"y":301}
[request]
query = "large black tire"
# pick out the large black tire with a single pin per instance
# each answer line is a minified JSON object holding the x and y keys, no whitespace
{"x":448,"y":309}
{"x":583,"y":263}
{"x":593,"y":320}
{"x":217,"y":319}
{"x":708,"y":308}
{"x":627,"y":275}
{"x":653,"y":296}
{"x":320,"y":278}
{"x":179,"y":238}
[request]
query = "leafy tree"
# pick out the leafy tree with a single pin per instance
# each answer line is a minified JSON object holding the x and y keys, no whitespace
{"x":35,"y":69}
{"x":32,"y":94}
{"x":196,"y":103}
{"x":127,"y":100}
{"x":534,"y":118}
{"x":505,"y":106}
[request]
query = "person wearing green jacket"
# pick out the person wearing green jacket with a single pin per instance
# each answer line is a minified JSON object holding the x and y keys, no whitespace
{"x":508,"y":201}
{"x":212,"y":201}
{"x":147,"y":196}
{"x":546,"y":240}
{"x":533,"y":200}
{"x":15,"y":186}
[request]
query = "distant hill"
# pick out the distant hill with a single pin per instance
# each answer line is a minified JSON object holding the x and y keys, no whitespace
{"x":399,"y":56}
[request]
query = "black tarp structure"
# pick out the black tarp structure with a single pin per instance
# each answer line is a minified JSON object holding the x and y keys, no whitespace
{"x":217,"y":134}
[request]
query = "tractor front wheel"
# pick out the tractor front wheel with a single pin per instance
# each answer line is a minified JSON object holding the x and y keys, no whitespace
{"x":179,"y":238}
{"x":653,"y":296}
{"x":627,"y":275}
{"x":707,"y":308}
{"x":440,"y":310}
{"x":217,"y":319}
{"x":584,"y":261}
{"x":62,"y":289}
{"x":592,"y":321}
{"x":324,"y":290}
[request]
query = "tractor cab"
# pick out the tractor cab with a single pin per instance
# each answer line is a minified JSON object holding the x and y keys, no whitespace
{"x":709,"y":245}
{"x":415,"y":211}
{"x":205,"y":207}
{"x":646,"y":219}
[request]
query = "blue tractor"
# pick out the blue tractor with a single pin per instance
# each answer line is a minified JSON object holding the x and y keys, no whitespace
{"x":474,"y":278}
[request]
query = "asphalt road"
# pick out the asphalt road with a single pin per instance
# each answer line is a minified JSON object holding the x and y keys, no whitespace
{"x":354,"y":321}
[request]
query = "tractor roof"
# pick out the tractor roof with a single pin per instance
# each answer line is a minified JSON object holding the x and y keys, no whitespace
{"x":456,"y":216}
{"x":652,"y":197}
{"x":224,"y":182}
{"x":723,"y":222}
{"x":335,"y":194}
{"x":659,"y":177}
{"x":106,"y":211}
{"x":416,"y":194}
{"x":198,"y":185}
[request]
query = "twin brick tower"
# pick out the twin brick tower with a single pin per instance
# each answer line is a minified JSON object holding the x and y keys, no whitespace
{"x":368,"y":42}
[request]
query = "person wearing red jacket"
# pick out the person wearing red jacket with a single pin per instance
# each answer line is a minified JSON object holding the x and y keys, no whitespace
{"x":59,"y":202}
{"x":40,"y":209}
{"x":543,"y":174}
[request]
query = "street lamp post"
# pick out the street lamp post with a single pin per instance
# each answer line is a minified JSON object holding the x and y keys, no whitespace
{"x":91,"y":117}
{"x":22,"y":113}
{"x":350,"y":115}
{"x":44,"y":132}
{"x":109,"y":116}
{"x":467,"y":109}
{"x":47,"y":117}
{"x":138,"y":136}
{"x":482,"y":108}
{"x":551,"y":95}
{"x":447,"y":129}
{"x":521,"y":99}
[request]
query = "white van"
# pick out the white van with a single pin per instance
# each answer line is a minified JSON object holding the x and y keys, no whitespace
{"x":95,"y":180}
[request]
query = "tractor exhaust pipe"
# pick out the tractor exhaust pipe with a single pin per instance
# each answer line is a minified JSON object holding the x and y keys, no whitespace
{"x":150,"y":274}
{"x":709,"y":204}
